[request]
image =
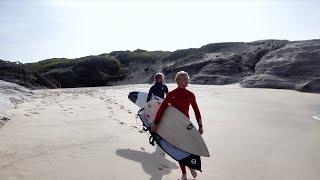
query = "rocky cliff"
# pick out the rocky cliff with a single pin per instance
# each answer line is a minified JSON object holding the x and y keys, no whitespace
{"x":263,"y":64}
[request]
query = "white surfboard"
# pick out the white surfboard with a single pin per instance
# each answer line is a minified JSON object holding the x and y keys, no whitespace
{"x":316,"y":117}
{"x":140,"y":98}
{"x":177,"y":129}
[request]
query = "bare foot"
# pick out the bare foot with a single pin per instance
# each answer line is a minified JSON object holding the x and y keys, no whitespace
{"x":193,"y":172}
{"x":184,"y":177}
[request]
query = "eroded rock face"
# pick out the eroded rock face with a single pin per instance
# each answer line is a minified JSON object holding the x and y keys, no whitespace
{"x":222,"y":63}
{"x":265,"y":64}
{"x":294,"y":66}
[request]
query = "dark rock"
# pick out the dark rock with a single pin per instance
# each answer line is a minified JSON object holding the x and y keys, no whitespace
{"x":86,"y":71}
{"x":293,"y":66}
{"x":268,"y":81}
{"x":311,"y":86}
{"x":264,"y":64}
{"x":214,"y":79}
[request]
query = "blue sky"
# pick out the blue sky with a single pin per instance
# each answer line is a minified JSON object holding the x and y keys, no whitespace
{"x":35,"y":30}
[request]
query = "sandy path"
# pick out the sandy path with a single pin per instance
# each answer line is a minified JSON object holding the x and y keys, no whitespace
{"x":92,"y":133}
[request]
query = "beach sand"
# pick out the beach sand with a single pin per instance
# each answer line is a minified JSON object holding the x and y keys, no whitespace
{"x":93,"y":133}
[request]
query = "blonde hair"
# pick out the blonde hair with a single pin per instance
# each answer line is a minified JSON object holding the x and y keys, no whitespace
{"x":158,"y":74}
{"x":181,"y":74}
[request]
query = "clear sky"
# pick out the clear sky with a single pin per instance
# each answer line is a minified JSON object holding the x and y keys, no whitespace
{"x":33,"y":30}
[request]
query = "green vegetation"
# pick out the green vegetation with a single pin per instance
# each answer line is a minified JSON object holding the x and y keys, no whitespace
{"x":138,"y":56}
{"x":46,"y":65}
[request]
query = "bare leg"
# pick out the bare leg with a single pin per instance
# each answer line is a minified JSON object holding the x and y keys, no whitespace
{"x":184,"y":171}
{"x":193,"y":172}
{"x":184,"y":177}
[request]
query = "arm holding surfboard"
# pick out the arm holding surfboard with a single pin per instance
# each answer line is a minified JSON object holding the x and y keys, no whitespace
{"x":161,"y":110}
{"x":179,"y":102}
{"x":180,"y":98}
{"x":150,"y":94}
{"x":197,"y":114}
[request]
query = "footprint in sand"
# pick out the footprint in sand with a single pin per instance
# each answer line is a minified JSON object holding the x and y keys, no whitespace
{"x":74,"y":155}
{"x":141,"y":131}
{"x":35,"y":113}
{"x":129,"y":111}
{"x":122,"y":123}
{"x":84,"y":147}
{"x":134,"y":127}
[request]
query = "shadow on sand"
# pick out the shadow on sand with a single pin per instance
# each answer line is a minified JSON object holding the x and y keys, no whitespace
{"x":154,"y":164}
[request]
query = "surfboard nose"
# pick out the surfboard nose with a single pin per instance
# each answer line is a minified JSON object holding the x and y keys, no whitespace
{"x":133,"y":96}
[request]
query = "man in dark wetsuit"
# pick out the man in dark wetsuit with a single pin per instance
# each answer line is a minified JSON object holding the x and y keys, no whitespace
{"x":158,"y":89}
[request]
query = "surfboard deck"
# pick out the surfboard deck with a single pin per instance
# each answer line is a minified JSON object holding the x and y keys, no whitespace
{"x":140,"y":98}
{"x":177,"y":129}
{"x":316,"y":117}
{"x":190,"y":160}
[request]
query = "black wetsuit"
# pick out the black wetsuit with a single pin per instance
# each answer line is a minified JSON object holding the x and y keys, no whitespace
{"x":157,"y":89}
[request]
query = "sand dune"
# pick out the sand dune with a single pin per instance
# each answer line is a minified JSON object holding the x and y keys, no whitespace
{"x":93,"y":133}
{"x":10,"y":95}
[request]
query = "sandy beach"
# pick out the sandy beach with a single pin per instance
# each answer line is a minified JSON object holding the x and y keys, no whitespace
{"x":93,"y":133}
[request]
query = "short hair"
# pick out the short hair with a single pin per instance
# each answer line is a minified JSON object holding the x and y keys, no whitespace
{"x":181,"y":74}
{"x":158,"y":74}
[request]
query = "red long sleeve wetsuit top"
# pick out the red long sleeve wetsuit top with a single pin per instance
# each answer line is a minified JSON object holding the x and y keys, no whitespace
{"x":181,"y":99}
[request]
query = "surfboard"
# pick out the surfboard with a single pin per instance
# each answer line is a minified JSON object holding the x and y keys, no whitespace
{"x":177,"y":129}
{"x":190,"y":160}
{"x":316,"y":117}
{"x":140,"y":98}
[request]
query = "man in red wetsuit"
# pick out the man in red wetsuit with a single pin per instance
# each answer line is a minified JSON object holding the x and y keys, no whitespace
{"x":180,"y":98}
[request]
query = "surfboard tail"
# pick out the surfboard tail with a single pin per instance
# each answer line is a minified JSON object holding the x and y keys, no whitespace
{"x":190,"y":160}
